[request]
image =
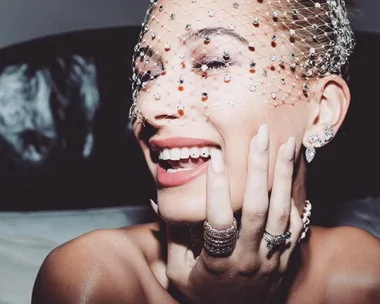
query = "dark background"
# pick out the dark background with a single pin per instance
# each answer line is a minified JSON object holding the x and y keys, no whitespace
{"x":114,"y":173}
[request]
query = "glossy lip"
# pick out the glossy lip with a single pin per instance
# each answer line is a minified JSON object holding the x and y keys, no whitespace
{"x":179,"y":142}
{"x":165,"y":179}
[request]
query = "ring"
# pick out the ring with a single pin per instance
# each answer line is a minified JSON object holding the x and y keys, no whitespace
{"x":275,"y":241}
{"x":219,"y":243}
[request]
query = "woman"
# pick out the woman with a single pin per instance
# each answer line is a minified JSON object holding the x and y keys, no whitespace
{"x":227,"y":96}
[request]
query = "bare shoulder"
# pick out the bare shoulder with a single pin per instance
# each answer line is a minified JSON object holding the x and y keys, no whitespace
{"x":343,"y":265}
{"x":101,"y":266}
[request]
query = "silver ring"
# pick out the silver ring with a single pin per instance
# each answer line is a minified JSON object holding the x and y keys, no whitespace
{"x":219,"y":243}
{"x":275,"y":241}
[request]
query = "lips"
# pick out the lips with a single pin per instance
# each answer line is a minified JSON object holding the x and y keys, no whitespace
{"x":180,"y":177}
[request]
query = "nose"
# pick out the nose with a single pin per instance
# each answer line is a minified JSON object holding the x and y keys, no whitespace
{"x":159,"y":114}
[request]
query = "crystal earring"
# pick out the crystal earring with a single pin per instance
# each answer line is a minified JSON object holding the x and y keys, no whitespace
{"x":317,"y":142}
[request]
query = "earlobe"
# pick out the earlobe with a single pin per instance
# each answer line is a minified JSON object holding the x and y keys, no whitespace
{"x":332,"y":105}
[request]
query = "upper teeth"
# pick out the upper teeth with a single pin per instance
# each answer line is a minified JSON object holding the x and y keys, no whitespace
{"x":184,"y":153}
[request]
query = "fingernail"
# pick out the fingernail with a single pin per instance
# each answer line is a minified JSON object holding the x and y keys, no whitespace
{"x":289,"y":149}
{"x":262,"y":139}
{"x":154,"y":206}
{"x":217,"y":163}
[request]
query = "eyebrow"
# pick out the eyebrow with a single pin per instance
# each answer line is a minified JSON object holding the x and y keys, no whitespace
{"x":212,"y":31}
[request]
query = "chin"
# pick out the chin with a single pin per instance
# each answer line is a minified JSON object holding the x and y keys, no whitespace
{"x":185,"y":204}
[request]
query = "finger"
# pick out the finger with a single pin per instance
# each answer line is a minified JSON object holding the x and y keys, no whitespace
{"x":255,"y":204}
{"x":280,"y":201}
{"x":295,"y":227}
{"x":218,"y":207}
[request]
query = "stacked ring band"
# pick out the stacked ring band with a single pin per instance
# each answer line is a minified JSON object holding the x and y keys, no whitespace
{"x":219,"y":243}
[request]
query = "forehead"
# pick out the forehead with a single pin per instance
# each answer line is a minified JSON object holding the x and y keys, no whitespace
{"x":171,"y":19}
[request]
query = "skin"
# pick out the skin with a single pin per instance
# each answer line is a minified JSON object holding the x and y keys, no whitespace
{"x":143,"y":264}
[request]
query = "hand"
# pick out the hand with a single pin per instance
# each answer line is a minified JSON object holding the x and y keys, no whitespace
{"x":251,"y":273}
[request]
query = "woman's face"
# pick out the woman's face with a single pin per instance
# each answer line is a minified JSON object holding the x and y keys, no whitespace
{"x":207,"y":87}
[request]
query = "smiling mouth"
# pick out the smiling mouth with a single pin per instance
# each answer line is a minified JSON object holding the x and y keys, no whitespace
{"x":178,"y":166}
{"x":183,"y":159}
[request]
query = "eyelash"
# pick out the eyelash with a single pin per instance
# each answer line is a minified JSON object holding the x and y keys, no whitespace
{"x":149,"y":75}
{"x":211,"y":64}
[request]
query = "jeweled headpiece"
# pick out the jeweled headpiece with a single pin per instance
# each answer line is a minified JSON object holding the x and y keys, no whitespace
{"x":286,"y":43}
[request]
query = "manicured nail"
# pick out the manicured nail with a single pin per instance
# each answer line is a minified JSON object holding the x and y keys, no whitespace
{"x":289,"y":149}
{"x":154,"y":206}
{"x":262,"y":139}
{"x":217,"y":163}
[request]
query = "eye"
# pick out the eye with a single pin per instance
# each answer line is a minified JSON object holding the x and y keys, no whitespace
{"x":149,"y":75}
{"x":212,"y":64}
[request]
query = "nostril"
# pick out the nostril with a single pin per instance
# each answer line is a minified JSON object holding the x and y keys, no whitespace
{"x":166,"y":116}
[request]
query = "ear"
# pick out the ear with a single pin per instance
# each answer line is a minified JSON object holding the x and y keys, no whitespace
{"x":330,"y":107}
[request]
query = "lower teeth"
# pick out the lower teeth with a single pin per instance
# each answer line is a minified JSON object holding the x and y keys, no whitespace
{"x":170,"y":170}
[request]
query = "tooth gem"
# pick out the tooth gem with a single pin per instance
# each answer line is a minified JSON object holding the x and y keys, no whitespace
{"x":194,"y":152}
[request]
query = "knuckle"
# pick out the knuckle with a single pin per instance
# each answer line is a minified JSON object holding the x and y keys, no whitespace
{"x":259,"y":165}
{"x":269,"y":267}
{"x":283,"y":217}
{"x":214,"y":266}
{"x":256,"y":214}
{"x":248,"y":267}
{"x":286,"y":174}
